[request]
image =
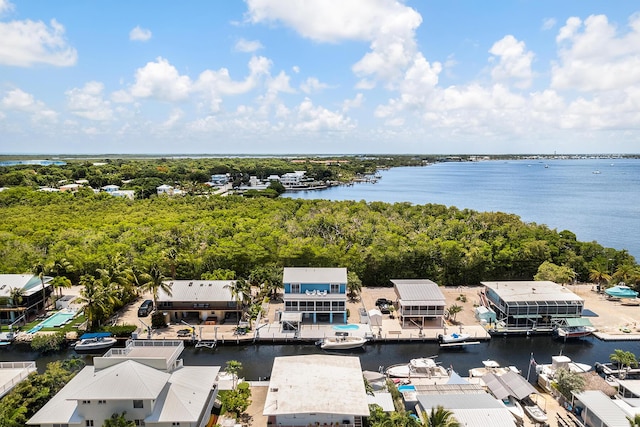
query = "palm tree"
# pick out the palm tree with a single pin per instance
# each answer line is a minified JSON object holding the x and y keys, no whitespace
{"x":453,"y":310}
{"x":599,"y":275}
{"x":98,"y":299}
{"x":16,"y":295}
{"x":354,"y":285}
{"x":39,"y":270}
{"x":241,"y":292}
{"x":60,"y":282}
{"x":233,"y":367}
{"x":625,"y":359}
{"x":118,"y":420}
{"x":440,"y":417}
{"x":153,"y":281}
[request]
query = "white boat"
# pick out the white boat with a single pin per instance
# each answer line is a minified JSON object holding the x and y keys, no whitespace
{"x":546,"y":372}
{"x":94,"y":342}
{"x":535,"y":412}
{"x":423,"y":367}
{"x":514,"y":407}
{"x":453,"y":338}
{"x":6,"y":338}
{"x":341,"y":342}
{"x":491,"y":366}
{"x":574,"y":331}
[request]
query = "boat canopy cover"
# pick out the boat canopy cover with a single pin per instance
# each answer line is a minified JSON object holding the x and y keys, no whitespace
{"x":95,"y":335}
{"x":508,"y":384}
{"x":578,"y":321}
{"x":454,"y":378}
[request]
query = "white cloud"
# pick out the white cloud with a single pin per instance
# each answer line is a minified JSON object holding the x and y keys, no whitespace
{"x":18,"y":100}
{"x":350,"y":104}
{"x":388,"y":25}
{"x":514,"y":64}
{"x":6,"y":6}
{"x":548,"y":23}
{"x":312,"y":85}
{"x":140,"y":34}
{"x":311,"y":118}
{"x":88,"y":102}
{"x":594,"y":56}
{"x":295,"y":69}
{"x":26,"y":43}
{"x":161,"y":80}
{"x":249,"y":46}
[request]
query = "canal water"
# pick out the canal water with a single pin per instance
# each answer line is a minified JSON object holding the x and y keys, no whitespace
{"x":257,"y":359}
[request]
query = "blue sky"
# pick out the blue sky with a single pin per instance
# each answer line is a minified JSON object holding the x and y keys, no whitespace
{"x":319,"y":76}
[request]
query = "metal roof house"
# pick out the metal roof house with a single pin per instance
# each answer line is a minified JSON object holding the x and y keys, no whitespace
{"x":319,"y":294}
{"x":420,"y":303}
{"x":479,"y":411}
{"x":127,"y":380}
{"x":208,"y":300}
{"x":316,"y":390}
{"x":596,"y":409}
{"x":530,"y":306}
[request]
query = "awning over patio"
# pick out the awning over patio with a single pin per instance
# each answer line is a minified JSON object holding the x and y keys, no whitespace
{"x":508,"y":384}
{"x":291,"y":317}
{"x":578,"y":321}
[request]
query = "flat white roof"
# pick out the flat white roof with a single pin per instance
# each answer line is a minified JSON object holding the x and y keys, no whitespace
{"x":316,"y":383}
{"x":521,"y":291}
{"x":314,"y":275}
{"x":198,"y":291}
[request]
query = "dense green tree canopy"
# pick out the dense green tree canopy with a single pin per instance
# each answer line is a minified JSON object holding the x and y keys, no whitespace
{"x":186,"y":237}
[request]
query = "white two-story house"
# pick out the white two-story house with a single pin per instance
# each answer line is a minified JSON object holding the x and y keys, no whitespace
{"x":145,"y":380}
{"x":317,"y":294}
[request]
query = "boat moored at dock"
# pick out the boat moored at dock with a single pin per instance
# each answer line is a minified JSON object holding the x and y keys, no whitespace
{"x":422,"y":367}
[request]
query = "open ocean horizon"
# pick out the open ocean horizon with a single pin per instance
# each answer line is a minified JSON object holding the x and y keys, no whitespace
{"x":597,"y":199}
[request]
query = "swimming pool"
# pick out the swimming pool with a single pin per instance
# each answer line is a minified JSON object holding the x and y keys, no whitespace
{"x":406,"y":388}
{"x":55,"y":320}
{"x":350,"y":327}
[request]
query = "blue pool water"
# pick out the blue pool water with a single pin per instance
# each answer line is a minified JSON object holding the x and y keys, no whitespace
{"x":345,"y":327}
{"x":53,"y":321}
{"x":406,"y":388}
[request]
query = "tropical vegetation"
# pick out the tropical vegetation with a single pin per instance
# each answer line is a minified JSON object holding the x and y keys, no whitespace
{"x":30,"y":395}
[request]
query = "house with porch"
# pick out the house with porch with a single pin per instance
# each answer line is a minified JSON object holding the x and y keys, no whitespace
{"x":317,"y":294}
{"x":530,"y":306}
{"x":420,"y":303}
{"x":146,"y":381}
{"x":32,"y":295}
{"x":208,"y":301}
{"x":316,"y":390}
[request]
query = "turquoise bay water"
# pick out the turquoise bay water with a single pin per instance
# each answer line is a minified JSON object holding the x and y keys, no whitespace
{"x":566,"y":195}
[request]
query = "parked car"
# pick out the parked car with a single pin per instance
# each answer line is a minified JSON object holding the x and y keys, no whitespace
{"x":383,"y":305}
{"x":145,"y":308}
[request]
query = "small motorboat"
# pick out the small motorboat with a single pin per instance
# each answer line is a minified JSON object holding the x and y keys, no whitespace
{"x":574,"y":328}
{"x":342,"y":342}
{"x":621,"y":291}
{"x":534,"y":411}
{"x":514,"y":407}
{"x":453,"y":338}
{"x":491,"y":366}
{"x":95,"y":342}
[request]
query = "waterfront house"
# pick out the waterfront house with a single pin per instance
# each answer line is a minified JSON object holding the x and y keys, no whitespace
{"x":474,"y":409}
{"x":110,"y":188}
{"x":209,"y":301}
{"x":146,"y":380}
{"x":295,"y":179}
{"x":420,"y":303}
{"x":596,"y":409}
{"x":219,"y":179}
{"x":319,"y":294}
{"x":530,"y":306}
{"x":165,"y":189}
{"x":32,"y":295}
{"x":316,"y":390}
{"x":72,"y":188}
